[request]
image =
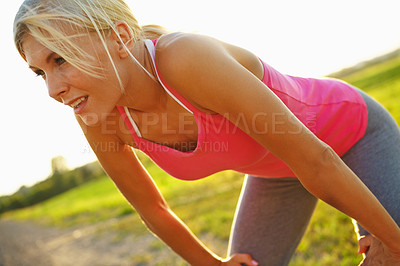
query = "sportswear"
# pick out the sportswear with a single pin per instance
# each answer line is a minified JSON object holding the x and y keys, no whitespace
{"x":333,"y":110}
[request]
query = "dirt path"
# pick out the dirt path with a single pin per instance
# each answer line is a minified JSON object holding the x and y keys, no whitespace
{"x":27,"y":244}
{"x":20,"y":245}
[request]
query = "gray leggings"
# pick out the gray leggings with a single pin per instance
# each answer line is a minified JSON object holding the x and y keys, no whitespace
{"x":273,"y":214}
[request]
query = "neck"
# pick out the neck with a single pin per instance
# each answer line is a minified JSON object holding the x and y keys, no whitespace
{"x":142,"y":92}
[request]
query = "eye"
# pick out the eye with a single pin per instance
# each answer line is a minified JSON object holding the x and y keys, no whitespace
{"x":40,"y":73}
{"x":59,"y":61}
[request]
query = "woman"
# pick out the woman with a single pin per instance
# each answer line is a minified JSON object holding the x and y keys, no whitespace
{"x":196,"y":106}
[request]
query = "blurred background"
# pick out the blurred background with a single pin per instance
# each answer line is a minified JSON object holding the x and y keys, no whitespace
{"x":75,"y":216}
{"x":308,"y":38}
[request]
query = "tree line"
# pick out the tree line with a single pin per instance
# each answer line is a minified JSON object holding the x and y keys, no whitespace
{"x":61,"y":180}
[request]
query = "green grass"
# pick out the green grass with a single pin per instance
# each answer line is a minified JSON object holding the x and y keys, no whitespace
{"x":207,"y":206}
{"x":381,"y":81}
{"x":83,"y":204}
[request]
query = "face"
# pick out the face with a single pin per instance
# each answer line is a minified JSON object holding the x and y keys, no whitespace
{"x":91,"y":98}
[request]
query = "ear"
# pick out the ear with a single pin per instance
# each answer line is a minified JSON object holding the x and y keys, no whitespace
{"x":123,"y":38}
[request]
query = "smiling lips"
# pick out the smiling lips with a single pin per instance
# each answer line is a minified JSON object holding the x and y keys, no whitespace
{"x":77,"y":102}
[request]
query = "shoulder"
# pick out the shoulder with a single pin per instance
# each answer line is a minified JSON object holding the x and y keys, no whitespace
{"x":190,"y":64}
{"x":179,"y":49}
{"x":203,"y":69}
{"x":184,"y":63}
{"x":187,"y":47}
{"x":185,"y":54}
{"x":185,"y":42}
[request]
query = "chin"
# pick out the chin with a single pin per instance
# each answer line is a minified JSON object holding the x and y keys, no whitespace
{"x":95,"y":118}
{"x":91,"y":119}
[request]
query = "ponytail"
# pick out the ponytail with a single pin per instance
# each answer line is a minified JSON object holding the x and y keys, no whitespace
{"x":153,"y":31}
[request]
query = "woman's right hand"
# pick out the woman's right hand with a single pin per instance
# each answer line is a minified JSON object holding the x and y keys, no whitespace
{"x":239,"y":260}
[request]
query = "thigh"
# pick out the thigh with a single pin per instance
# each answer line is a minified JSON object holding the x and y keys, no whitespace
{"x":375,"y":159}
{"x":271,"y":218}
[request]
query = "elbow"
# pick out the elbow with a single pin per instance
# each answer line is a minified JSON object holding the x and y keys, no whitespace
{"x":328,"y":159}
{"x":316,"y":175}
{"x":315,"y":163}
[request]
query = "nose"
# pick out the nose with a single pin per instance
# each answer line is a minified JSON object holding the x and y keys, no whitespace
{"x":56,"y":87}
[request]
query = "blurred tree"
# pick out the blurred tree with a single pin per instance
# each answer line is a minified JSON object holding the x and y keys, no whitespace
{"x":59,"y":165}
{"x":59,"y":181}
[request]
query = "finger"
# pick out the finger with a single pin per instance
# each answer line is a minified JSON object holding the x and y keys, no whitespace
{"x":364,"y":243}
{"x":245,"y":259}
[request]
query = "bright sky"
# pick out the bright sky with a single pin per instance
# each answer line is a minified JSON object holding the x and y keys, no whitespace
{"x":308,"y":38}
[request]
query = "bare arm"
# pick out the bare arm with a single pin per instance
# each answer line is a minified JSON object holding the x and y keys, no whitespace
{"x":122,"y":165}
{"x":208,"y":75}
{"x":135,"y":183}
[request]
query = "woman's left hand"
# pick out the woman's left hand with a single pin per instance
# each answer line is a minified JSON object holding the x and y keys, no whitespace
{"x":238,"y":260}
{"x":376,"y":253}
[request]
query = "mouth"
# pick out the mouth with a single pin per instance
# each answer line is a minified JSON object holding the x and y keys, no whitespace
{"x":79,"y":104}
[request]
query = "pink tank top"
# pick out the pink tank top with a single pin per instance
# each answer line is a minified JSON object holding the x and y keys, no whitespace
{"x":333,"y":110}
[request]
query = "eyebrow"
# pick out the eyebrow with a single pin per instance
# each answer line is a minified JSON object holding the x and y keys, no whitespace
{"x":48,"y":58}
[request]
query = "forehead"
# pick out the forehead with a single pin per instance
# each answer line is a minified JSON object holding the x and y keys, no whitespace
{"x":34,"y":51}
{"x":78,"y":44}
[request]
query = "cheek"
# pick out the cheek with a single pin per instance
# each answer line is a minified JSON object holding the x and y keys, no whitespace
{"x":79,"y":78}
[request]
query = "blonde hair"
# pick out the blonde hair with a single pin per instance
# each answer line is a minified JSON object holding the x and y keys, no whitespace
{"x":57,"y":24}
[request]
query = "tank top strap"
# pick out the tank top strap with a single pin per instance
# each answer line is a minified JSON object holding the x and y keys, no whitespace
{"x":151,"y":47}
{"x":130,"y":123}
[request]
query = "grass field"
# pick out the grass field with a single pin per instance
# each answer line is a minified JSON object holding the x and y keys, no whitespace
{"x":207,"y":206}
